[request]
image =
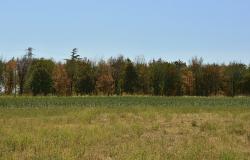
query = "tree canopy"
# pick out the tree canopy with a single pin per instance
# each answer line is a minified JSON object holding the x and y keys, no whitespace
{"x":120,"y":75}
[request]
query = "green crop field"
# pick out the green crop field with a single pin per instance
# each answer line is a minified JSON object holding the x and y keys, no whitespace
{"x":130,"y":127}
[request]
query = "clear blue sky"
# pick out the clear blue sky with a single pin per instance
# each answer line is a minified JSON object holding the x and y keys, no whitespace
{"x":217,"y":30}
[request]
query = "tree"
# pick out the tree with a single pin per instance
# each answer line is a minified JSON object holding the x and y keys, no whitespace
{"x":180,"y":68}
{"x":120,"y":75}
{"x":212,"y":79}
{"x":60,"y":79}
{"x":10,"y":76}
{"x":72,"y":67}
{"x":196,"y":68}
{"x":234,"y":74}
{"x":23,"y":65}
{"x":187,"y":79}
{"x":130,"y":79}
{"x":75,"y":55}
{"x":40,"y":81}
{"x":1,"y":74}
{"x":118,"y":70}
{"x":157,"y":76}
{"x":30,"y":53}
{"x":143,"y":80}
{"x":246,"y":82}
{"x":170,"y":79}
{"x":85,"y":82}
{"x":105,"y":82}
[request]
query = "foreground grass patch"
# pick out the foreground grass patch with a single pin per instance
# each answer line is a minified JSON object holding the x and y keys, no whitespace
{"x":125,"y":132}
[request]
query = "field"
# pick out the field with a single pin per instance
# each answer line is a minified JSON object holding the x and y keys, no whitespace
{"x":130,"y":127}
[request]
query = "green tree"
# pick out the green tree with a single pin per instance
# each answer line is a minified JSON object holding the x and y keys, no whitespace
{"x":40,"y":80}
{"x":72,"y":68}
{"x":85,"y":81}
{"x":118,"y":66}
{"x":197,"y":70}
{"x":130,"y":78}
{"x":246,"y":82}
{"x":170,"y":79}
{"x":157,"y":76}
{"x":212,"y":79}
{"x":143,"y":80}
{"x":180,"y":69}
{"x":30,"y":53}
{"x":234,"y":74}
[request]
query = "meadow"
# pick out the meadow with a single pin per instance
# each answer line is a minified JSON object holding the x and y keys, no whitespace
{"x":129,"y":127}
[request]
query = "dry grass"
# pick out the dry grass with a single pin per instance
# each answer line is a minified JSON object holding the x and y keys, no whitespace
{"x":132,"y":132}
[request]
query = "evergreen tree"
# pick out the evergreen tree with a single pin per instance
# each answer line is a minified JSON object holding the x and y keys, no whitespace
{"x":72,"y":67}
{"x":130,"y":79}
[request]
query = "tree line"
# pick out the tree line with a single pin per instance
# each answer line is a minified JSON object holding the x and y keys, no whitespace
{"x":27,"y":75}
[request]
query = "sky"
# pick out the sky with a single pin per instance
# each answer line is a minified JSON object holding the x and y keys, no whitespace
{"x":217,"y":30}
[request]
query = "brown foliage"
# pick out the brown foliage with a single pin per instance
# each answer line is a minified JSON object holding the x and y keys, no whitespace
{"x":105,"y":82}
{"x":10,"y":76}
{"x":61,"y":80}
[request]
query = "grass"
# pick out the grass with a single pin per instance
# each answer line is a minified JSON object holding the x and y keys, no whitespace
{"x":124,"y":128}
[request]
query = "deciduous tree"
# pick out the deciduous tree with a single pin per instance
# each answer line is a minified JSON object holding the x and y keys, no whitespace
{"x":85,"y":81}
{"x":23,"y":65}
{"x":143,"y":80}
{"x":196,"y":68}
{"x":41,"y":81}
{"x":157,"y":76}
{"x":1,"y":74}
{"x":105,"y":82}
{"x":118,"y":70}
{"x":234,"y":74}
{"x":212,"y":79}
{"x":60,"y":79}
{"x":10,"y":76}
